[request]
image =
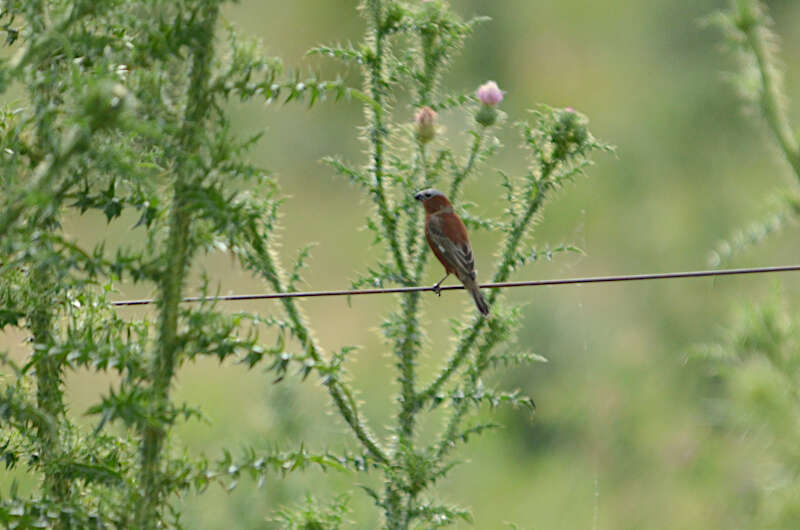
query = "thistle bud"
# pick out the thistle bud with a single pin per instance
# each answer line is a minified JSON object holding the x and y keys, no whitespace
{"x":425,"y":121}
{"x":489,"y":94}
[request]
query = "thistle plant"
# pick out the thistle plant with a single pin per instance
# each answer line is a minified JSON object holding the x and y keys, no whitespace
{"x":747,"y":27}
{"x":123,"y":118}
{"x":404,"y":54}
{"x":753,"y":368}
{"x":752,"y":372}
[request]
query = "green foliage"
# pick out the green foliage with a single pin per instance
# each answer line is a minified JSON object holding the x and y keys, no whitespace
{"x":748,"y":30}
{"x":125,"y":118}
{"x":403,"y":55}
{"x":755,"y":368}
{"x":311,"y":516}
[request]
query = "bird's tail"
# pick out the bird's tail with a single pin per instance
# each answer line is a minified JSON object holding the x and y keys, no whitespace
{"x":480,"y":301}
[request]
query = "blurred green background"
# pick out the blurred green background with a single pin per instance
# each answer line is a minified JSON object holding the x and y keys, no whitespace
{"x":620,"y":439}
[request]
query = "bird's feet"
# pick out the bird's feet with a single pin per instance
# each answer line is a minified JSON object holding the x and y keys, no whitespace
{"x":438,"y":287}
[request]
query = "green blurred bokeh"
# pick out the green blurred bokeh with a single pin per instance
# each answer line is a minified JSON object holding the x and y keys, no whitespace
{"x":620,"y":439}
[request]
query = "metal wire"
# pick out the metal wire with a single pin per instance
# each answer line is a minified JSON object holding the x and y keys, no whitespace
{"x":503,"y":285}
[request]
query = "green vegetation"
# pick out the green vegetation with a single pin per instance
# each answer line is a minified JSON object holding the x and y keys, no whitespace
{"x":135,"y":137}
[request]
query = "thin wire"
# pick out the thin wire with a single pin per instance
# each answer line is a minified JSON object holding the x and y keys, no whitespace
{"x":532,"y":283}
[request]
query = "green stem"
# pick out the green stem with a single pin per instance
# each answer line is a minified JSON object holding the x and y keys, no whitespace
{"x":49,"y":372}
{"x":268,"y":267}
{"x":771,"y":97}
{"x":429,"y":65}
{"x":165,"y":361}
{"x":459,"y":178}
{"x":49,"y":395}
{"x":446,"y":440}
{"x":396,"y":518}
{"x":454,"y":362}
{"x":538,"y":191}
{"x":177,"y":255}
{"x":413,"y":239}
{"x":377,"y":137}
{"x":336,"y":388}
{"x":407,"y":348}
{"x":408,"y":344}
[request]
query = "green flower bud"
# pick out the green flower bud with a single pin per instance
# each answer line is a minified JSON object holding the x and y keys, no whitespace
{"x":486,"y":115}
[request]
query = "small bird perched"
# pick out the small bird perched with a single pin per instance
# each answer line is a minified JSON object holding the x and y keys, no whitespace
{"x":447,"y":237}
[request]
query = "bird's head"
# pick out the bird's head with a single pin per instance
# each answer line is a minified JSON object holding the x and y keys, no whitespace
{"x":434,"y":201}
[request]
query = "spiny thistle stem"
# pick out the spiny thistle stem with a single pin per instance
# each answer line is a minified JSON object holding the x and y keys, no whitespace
{"x":406,"y":348}
{"x":49,"y":395}
{"x":171,"y":285}
{"x":459,"y":178}
{"x":454,"y":362}
{"x":429,"y":64}
{"x":413,"y":236}
{"x":409,"y":341}
{"x":336,"y":388}
{"x":771,"y":95}
{"x":267,"y":264}
{"x":475,"y":371}
{"x":377,"y":134}
{"x":538,"y":193}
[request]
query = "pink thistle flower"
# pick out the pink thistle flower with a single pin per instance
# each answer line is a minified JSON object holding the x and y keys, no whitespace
{"x":490,"y":94}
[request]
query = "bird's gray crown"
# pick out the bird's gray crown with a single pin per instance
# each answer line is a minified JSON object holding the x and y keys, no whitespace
{"x":424,"y":195}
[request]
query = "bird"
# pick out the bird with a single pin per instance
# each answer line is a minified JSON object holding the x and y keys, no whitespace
{"x":447,"y":237}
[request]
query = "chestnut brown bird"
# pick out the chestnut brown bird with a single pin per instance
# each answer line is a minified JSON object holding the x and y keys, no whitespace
{"x":447,"y":237}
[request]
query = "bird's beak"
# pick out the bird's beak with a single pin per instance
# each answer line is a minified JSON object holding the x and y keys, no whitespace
{"x":418,"y":196}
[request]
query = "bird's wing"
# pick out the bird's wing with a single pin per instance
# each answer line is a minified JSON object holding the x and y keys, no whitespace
{"x":449,"y":237}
